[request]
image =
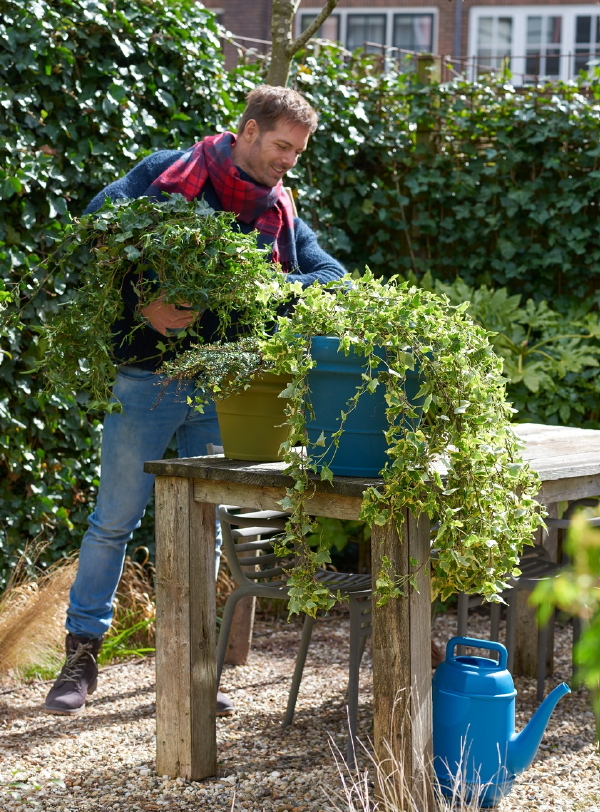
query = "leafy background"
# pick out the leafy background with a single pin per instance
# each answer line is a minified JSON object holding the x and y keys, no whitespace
{"x":478,"y":180}
{"x":86,"y":90}
{"x":475,"y":189}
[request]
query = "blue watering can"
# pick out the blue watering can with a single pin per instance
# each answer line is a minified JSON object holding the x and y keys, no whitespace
{"x":475,"y":748}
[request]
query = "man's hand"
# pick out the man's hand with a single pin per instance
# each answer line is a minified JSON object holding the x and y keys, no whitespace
{"x":167,"y":317}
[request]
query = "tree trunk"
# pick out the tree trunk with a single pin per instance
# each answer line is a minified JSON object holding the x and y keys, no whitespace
{"x":281,"y":37}
{"x":283,"y":46}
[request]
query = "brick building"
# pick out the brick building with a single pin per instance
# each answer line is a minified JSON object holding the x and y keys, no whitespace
{"x":554,"y":39}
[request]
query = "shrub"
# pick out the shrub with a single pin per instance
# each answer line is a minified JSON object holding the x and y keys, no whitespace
{"x":478,"y":180}
{"x":550,"y":359}
{"x":86,"y":90}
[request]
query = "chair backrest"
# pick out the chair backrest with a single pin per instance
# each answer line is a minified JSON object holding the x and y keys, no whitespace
{"x":260,"y":527}
{"x":572,"y":508}
{"x":563,"y":524}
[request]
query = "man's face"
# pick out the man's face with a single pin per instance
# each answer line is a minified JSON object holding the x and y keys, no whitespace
{"x":267,"y":156}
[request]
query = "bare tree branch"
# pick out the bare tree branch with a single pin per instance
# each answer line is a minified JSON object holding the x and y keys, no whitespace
{"x":312,"y":29}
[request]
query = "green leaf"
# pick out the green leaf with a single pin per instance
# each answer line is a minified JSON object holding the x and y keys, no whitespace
{"x":132,"y":252}
{"x":11,"y":186}
{"x":320,"y":441}
{"x":164,"y":97}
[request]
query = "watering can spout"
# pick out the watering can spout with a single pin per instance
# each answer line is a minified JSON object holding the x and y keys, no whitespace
{"x":523,"y":747}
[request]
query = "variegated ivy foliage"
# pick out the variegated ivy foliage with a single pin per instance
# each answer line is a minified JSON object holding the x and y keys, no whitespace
{"x":174,"y":250}
{"x":461,"y":466}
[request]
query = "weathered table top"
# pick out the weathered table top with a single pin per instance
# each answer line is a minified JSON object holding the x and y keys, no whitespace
{"x":557,"y":453}
{"x":566,"y":459}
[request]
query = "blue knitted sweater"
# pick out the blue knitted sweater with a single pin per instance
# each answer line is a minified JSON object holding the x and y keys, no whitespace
{"x":142,"y":349}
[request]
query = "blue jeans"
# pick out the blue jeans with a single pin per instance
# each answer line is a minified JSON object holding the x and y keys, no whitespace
{"x":151,"y":416}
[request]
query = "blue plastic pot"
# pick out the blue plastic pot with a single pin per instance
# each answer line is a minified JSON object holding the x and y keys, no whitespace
{"x":332,"y":382}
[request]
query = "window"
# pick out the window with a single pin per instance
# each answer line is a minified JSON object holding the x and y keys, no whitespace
{"x":494,"y":40}
{"x":543,"y":46}
{"x":587,"y":40}
{"x":366,"y":28}
{"x":329,"y":30}
{"x":404,"y":27}
{"x":540,"y":41}
{"x":413,"y":32}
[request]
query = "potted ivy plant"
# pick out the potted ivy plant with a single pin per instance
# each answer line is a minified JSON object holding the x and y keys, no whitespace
{"x":459,"y":464}
{"x":251,"y":413}
{"x":176,"y":250}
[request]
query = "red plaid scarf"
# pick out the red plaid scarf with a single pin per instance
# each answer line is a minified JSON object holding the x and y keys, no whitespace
{"x":268,"y":208}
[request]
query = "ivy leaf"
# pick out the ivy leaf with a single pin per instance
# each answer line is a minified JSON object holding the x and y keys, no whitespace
{"x":288,"y":392}
{"x":320,"y":441}
{"x":326,"y":474}
{"x":132,"y":253}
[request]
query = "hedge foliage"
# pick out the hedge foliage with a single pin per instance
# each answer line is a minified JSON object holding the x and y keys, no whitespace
{"x":87,"y":88}
{"x":551,"y":359}
{"x":476,"y":180}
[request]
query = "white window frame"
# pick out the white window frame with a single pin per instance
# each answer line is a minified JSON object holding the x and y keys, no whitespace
{"x":519,"y":16}
{"x":388,"y":12}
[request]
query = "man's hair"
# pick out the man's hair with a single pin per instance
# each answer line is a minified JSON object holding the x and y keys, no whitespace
{"x":267,"y":105}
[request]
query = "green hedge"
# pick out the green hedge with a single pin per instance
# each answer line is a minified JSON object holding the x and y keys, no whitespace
{"x":497,"y":186}
{"x":86,"y":90}
{"x":464,"y":180}
{"x":551,"y":359}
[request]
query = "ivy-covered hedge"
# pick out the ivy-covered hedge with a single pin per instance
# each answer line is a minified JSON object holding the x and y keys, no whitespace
{"x":469,"y":180}
{"x":481,"y":181}
{"x":86,"y":89}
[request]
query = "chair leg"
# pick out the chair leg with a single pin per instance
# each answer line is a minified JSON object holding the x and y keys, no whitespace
{"x":461,"y":625}
{"x":576,"y":635}
{"x":363,"y":645}
{"x":230,"y":605}
{"x":543,"y":635}
{"x":511,"y":617}
{"x":309,"y":622}
{"x":357,"y":647}
{"x":495,"y":622}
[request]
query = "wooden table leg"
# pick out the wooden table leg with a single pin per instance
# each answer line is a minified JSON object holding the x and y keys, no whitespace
{"x":526,"y":632}
{"x":402,"y":664}
{"x":186,"y":684}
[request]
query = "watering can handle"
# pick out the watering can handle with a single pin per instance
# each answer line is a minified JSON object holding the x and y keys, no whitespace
{"x":474,"y":643}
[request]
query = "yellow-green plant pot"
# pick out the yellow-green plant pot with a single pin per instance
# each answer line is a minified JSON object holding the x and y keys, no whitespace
{"x":250,"y":422}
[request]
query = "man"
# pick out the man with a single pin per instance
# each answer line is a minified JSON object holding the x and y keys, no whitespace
{"x":240,"y":173}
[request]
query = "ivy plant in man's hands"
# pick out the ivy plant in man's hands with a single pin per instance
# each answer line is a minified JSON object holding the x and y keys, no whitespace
{"x":184,"y":256}
{"x":168,"y":318}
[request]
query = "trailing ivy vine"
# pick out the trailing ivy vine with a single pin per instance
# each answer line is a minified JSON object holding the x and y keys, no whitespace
{"x":461,"y":465}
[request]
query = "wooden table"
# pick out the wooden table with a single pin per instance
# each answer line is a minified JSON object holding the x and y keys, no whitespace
{"x":568,"y":461}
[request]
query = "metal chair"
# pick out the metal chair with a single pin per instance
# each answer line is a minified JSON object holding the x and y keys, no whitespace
{"x":262,"y":575}
{"x":535,"y":566}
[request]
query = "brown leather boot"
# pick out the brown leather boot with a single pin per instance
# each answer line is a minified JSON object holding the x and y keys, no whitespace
{"x":78,"y":676}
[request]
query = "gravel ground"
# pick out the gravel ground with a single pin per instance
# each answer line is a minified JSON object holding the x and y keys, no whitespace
{"x":104,"y":759}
